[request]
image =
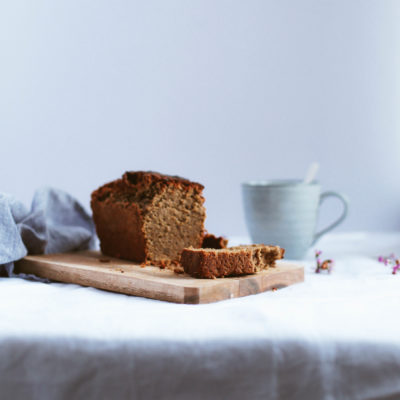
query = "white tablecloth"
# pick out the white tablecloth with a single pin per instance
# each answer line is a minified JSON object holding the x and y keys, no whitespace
{"x":333,"y":337}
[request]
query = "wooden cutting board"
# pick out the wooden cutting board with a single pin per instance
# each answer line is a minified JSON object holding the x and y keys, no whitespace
{"x":91,"y":268}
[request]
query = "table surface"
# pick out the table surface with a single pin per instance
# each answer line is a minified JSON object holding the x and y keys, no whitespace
{"x":334,"y":336}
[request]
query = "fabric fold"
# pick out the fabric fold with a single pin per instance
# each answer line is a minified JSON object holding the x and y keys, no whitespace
{"x":56,"y":223}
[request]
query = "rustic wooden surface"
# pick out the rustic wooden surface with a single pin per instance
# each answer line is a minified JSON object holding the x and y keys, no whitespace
{"x":91,"y":268}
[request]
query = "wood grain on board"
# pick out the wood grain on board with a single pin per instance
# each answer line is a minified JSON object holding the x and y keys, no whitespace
{"x":91,"y":268}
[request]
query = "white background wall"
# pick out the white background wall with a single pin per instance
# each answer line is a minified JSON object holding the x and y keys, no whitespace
{"x":217,"y":91}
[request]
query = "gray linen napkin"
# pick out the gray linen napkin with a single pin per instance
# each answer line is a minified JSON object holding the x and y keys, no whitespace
{"x":55,"y":223}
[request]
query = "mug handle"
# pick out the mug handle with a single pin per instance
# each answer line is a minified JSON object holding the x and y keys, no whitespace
{"x":345,"y":203}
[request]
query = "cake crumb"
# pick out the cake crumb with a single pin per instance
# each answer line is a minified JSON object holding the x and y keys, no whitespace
{"x":179,"y":270}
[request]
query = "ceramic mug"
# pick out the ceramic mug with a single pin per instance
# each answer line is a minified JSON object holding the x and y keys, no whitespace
{"x":285,"y":213}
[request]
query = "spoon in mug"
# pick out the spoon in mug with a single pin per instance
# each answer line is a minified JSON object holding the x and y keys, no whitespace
{"x":311,"y":173}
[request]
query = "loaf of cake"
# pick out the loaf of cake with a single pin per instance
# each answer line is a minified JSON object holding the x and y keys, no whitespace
{"x":233,"y":261}
{"x":148,"y":217}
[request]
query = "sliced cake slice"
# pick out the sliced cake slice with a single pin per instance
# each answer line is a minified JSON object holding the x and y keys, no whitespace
{"x":233,"y":261}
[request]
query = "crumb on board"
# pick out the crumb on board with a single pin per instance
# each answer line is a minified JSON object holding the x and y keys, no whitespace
{"x":114,"y":269}
{"x":179,"y":270}
{"x":104,"y":260}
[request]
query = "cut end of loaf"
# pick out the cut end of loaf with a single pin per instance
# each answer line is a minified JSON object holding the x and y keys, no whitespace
{"x":175,"y":221}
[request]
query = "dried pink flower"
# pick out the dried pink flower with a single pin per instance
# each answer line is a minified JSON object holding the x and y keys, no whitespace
{"x":391,"y":260}
{"x":326,"y":265}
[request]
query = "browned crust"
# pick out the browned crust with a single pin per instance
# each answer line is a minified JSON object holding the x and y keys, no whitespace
{"x":140,"y":182}
{"x":120,"y":230}
{"x":234,"y":261}
{"x":211,"y":241}
{"x":149,"y":178}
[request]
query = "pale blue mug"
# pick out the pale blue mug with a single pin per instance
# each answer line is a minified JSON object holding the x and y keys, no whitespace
{"x":285,"y":213}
